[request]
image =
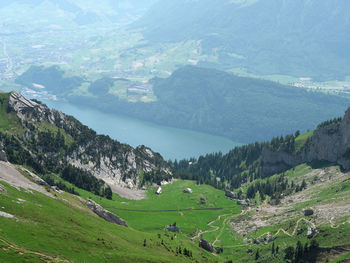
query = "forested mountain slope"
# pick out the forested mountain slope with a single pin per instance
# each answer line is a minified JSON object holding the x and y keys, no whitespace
{"x":49,"y":141}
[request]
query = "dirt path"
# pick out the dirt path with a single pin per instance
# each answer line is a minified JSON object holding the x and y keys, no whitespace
{"x":294,"y":231}
{"x":45,"y":257}
{"x":337,"y":226}
{"x":215,"y":228}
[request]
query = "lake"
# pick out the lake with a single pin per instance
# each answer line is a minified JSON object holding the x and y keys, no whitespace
{"x":171,"y":143}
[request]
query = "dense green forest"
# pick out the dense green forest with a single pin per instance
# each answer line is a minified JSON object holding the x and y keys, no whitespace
{"x":244,"y":165}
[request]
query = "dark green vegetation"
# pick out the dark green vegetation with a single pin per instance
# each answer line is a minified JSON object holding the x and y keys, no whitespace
{"x":265,"y":37}
{"x":207,"y":100}
{"x":48,"y":141}
{"x":269,"y":227}
{"x":240,"y":166}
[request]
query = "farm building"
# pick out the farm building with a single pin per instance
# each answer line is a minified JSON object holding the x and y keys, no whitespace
{"x":159,"y":190}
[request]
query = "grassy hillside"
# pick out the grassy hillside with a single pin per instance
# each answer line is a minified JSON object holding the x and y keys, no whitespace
{"x":240,"y":231}
{"x":64,"y":230}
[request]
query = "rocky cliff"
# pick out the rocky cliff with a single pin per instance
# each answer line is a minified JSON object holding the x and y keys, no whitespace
{"x":53,"y":139}
{"x":330,"y":142}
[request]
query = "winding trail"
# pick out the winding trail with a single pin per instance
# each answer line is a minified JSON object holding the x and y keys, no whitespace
{"x":45,"y":257}
{"x":215,"y":228}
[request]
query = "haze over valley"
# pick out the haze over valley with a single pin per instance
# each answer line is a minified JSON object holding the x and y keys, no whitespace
{"x":175,"y":131}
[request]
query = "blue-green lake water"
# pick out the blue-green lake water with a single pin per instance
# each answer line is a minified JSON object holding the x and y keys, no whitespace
{"x":171,"y":143}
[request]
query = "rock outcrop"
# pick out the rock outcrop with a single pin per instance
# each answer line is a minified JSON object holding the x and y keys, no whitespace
{"x":3,"y":156}
{"x":103,"y":213}
{"x":231,"y":194}
{"x":187,"y":191}
{"x":115,"y":163}
{"x":173,"y":228}
{"x":35,"y":178}
{"x":329,"y":142}
{"x":311,"y":231}
{"x":308,"y":212}
{"x":206,"y":245}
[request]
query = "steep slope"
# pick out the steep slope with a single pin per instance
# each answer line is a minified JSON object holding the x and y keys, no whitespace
{"x":329,"y":143}
{"x":60,"y":228}
{"x":266,"y":37}
{"x":50,"y":141}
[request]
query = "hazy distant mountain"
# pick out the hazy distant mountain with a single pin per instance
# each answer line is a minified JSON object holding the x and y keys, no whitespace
{"x":293,"y":37}
{"x":79,"y":11}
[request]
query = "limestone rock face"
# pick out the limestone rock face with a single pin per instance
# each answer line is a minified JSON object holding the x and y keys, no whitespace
{"x":115,"y":163}
{"x":106,"y":215}
{"x":332,"y":143}
{"x":328,"y":143}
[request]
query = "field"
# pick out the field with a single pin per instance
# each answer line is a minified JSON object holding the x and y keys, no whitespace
{"x":64,"y":230}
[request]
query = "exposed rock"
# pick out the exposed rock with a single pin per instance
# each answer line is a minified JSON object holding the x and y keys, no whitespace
{"x":187,"y":191}
{"x":117,"y":164}
{"x":103,"y":213}
{"x":173,"y":228}
{"x":270,"y":239}
{"x":308,"y":212}
{"x":6,"y":215}
{"x":56,"y":189}
{"x":206,"y":245}
{"x":243,"y":202}
{"x":36,"y":178}
{"x":2,"y":188}
{"x":231,"y":194}
{"x":311,"y":231}
{"x":329,"y":143}
{"x":3,"y":156}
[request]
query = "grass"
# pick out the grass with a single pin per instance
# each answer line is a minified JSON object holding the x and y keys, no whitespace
{"x":302,"y":139}
{"x":172,"y":198}
{"x":9,"y":122}
{"x":65,"y":229}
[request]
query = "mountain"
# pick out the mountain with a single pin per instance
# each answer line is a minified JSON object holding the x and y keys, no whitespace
{"x":213,"y":101}
{"x":264,"y":37}
{"x":50,"y":141}
{"x":78,"y":12}
{"x":290,"y":200}
{"x":328,"y":144}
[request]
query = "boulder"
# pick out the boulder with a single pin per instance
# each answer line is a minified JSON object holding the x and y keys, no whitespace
{"x":270,"y":239}
{"x":188,"y":191}
{"x":103,"y":213}
{"x":206,"y":245}
{"x":308,"y":212}
{"x":36,"y":178}
{"x":231,"y":194}
{"x":243,"y":202}
{"x":173,"y":228}
{"x":311,"y":231}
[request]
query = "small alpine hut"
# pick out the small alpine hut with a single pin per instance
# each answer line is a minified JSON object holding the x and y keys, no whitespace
{"x":159,"y":190}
